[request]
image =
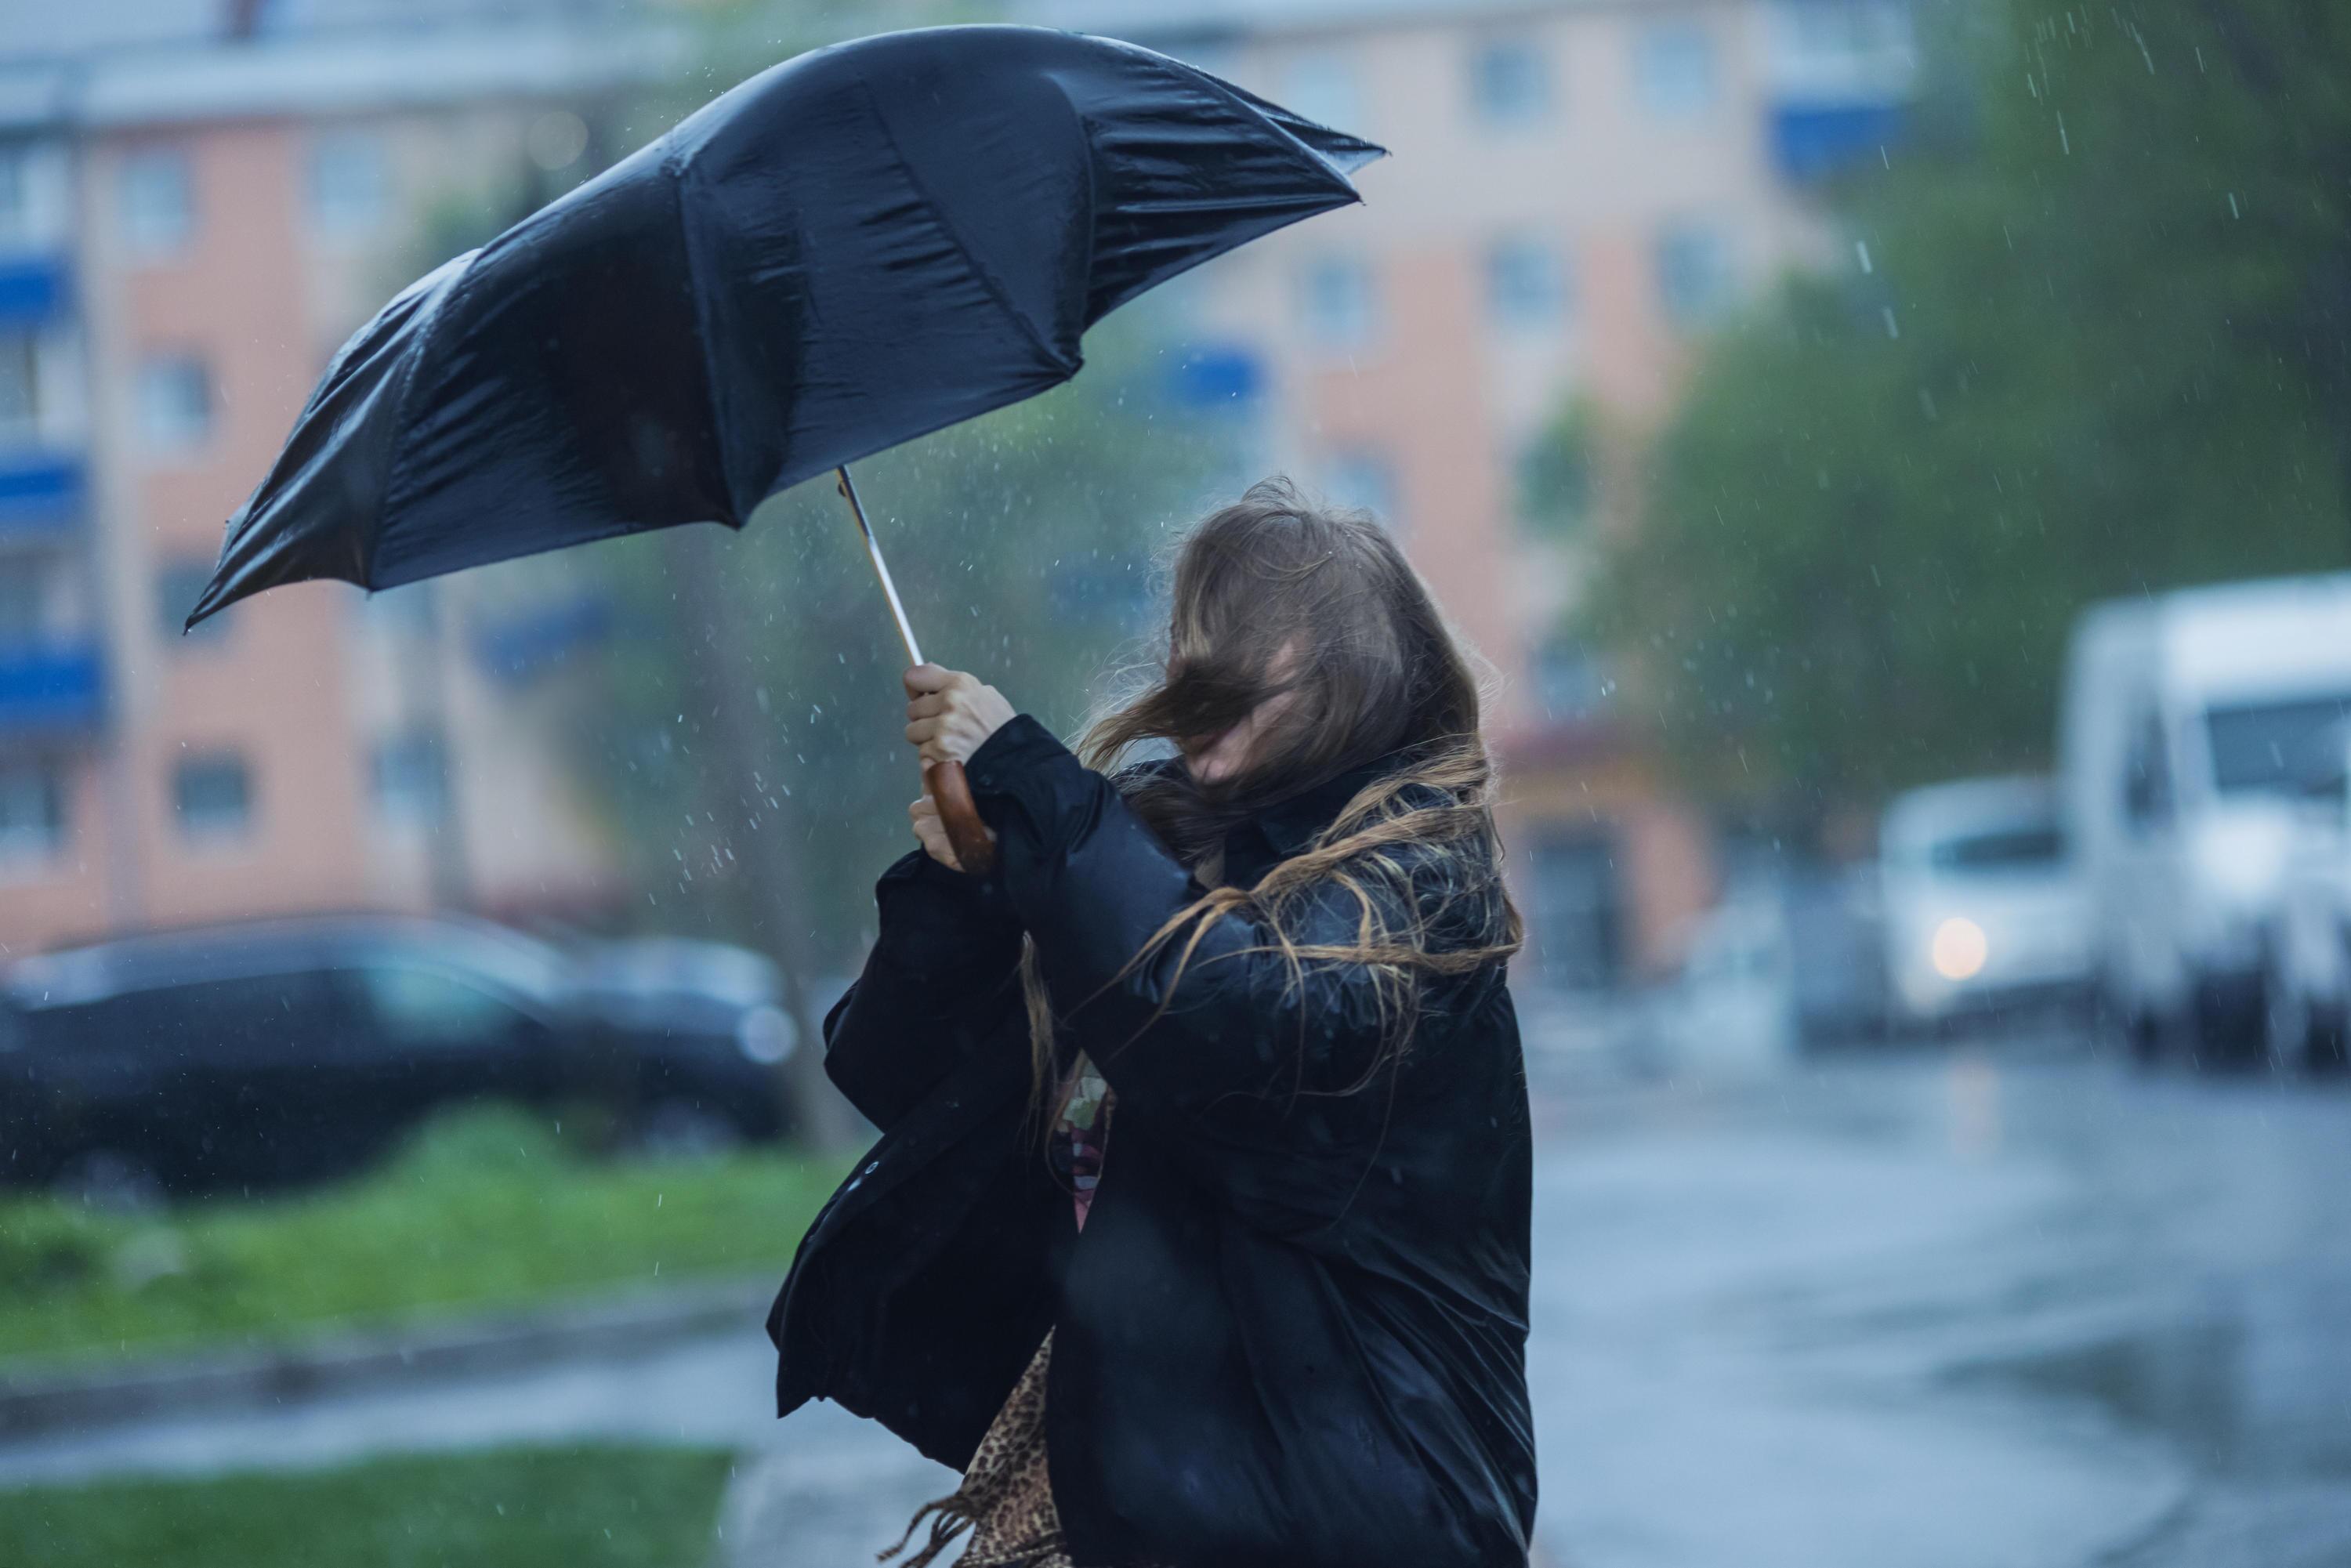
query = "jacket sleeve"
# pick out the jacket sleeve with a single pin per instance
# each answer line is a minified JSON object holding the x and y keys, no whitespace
{"x":1092,"y":884}
{"x":943,"y":971}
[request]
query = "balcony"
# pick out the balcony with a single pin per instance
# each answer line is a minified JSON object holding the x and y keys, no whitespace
{"x":41,"y":492}
{"x":50,"y":688}
{"x":1815,"y":141}
{"x":1838,"y":76}
{"x":34,"y":289}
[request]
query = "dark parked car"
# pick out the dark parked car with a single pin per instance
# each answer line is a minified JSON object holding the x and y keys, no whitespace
{"x":289,"y":1051}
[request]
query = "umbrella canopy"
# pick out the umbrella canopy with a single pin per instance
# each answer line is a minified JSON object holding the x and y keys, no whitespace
{"x":855,"y":248}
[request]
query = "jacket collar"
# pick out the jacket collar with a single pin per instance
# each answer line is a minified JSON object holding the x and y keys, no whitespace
{"x":1279,"y":831}
{"x":1288,"y":826}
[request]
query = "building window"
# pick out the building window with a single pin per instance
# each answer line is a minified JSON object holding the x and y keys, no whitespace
{"x":175,"y":402}
{"x":1573,"y":683}
{"x":1674,"y":70}
{"x":16,"y":191}
{"x":1526,"y":284}
{"x":412,"y":778}
{"x":213,"y":799}
{"x":20,"y":387}
{"x":178,"y":586}
{"x":24,"y":600}
{"x":350,"y":182}
{"x":1320,"y":87}
{"x":1694,"y":278}
{"x":1363,"y":479}
{"x":32,"y":812}
{"x":1340,"y":310}
{"x":1509,"y":82}
{"x":159,"y":203}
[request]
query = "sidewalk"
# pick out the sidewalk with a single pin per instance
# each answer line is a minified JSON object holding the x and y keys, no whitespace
{"x":40,"y":1396}
{"x":834,"y":1491}
{"x":830,"y":1492}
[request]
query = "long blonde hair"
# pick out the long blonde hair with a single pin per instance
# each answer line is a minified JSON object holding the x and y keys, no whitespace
{"x":1275,"y":596}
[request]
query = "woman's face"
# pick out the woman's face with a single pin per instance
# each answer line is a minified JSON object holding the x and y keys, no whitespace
{"x":1230,"y":754}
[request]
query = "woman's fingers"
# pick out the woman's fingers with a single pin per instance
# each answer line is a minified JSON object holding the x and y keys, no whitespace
{"x":931,"y":834}
{"x":923,"y":678}
{"x":949,"y":713}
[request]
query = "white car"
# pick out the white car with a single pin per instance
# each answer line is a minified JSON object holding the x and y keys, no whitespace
{"x":1979,"y":905}
{"x":2306,"y":972}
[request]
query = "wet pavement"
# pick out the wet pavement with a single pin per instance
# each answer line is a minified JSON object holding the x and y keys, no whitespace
{"x":1977,"y":1307}
{"x":1972,"y":1307}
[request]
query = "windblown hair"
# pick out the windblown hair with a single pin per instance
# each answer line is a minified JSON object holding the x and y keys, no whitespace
{"x":1277,"y":597}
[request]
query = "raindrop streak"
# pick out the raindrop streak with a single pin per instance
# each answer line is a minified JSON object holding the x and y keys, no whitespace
{"x":1861,"y":250}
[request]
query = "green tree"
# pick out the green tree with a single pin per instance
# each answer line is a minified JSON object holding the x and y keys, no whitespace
{"x":2088,"y":340}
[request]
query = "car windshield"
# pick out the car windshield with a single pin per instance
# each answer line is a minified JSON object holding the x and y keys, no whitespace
{"x":2269,"y":746}
{"x":2021,"y":847}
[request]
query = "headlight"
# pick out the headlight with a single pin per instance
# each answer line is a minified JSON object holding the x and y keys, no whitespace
{"x":764,"y":1035}
{"x":2240,"y":861}
{"x":1958,"y":949}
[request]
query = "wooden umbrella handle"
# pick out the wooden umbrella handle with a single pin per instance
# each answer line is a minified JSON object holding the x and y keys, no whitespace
{"x":959,"y":815}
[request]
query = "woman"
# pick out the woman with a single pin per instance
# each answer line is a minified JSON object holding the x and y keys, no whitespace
{"x":1197,"y":1233}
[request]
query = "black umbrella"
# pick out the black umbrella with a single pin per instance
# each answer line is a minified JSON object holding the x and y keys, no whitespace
{"x":856,"y":247}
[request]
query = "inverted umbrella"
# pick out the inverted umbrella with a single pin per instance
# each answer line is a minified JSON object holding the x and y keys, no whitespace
{"x":856,"y":247}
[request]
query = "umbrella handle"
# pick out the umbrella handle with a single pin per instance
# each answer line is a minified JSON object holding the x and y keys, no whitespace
{"x":974,"y":847}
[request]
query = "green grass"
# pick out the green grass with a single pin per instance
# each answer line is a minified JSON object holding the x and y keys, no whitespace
{"x":486,"y":1210}
{"x":523,"y":1508}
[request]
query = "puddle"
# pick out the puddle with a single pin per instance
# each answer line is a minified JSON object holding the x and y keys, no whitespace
{"x":2255,"y":1386}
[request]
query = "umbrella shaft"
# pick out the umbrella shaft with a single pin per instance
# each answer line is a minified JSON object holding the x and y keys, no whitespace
{"x":880,"y":567}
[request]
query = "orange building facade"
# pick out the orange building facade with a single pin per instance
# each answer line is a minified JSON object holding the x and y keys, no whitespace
{"x":190,"y":224}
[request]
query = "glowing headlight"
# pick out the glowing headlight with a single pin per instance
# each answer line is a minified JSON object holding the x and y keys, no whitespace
{"x":764,"y":1035}
{"x":1958,"y":949}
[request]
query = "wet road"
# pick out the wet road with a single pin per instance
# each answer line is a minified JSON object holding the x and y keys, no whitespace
{"x":1981,"y":1308}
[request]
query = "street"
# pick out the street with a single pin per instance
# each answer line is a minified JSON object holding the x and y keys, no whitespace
{"x":1983,"y":1307}
{"x":1970,"y":1306}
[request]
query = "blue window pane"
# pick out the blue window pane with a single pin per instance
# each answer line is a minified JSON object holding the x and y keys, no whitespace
{"x":213,"y":797}
{"x":412,"y":778}
{"x":158,"y":201}
{"x":1217,"y":378}
{"x":1509,"y":82}
{"x":1674,"y":67}
{"x":1321,"y":87}
{"x":1526,"y":283}
{"x":1694,"y":276}
{"x":1339,"y":306}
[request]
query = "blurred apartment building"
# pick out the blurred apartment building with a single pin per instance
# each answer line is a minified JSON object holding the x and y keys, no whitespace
{"x":199,"y":200}
{"x":1578,"y":189}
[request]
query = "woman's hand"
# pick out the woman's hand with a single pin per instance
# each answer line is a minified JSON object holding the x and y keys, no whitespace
{"x":931,"y":833}
{"x":949,"y":714}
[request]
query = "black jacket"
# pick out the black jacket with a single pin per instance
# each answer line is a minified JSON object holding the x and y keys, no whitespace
{"x":1294,"y":1330}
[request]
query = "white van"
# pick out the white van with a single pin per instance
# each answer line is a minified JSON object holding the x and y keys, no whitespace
{"x":1978,"y":903}
{"x":2184,"y":722}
